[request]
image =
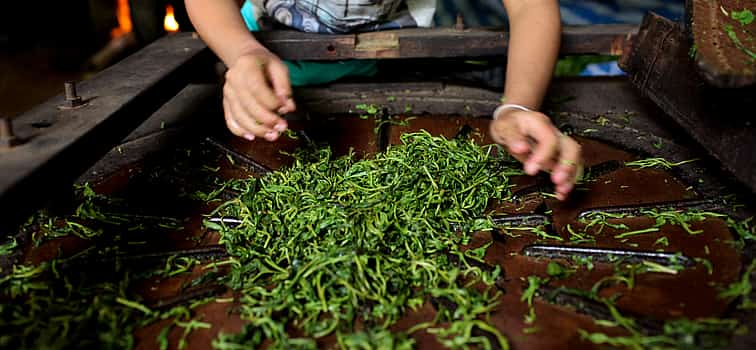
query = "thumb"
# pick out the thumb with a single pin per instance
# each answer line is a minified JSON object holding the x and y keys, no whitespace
{"x":507,"y":132}
{"x":278,"y":74}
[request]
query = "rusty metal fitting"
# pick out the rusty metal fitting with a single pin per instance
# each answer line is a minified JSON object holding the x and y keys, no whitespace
{"x":73,"y":100}
{"x":460,"y":25}
{"x":8,"y":139}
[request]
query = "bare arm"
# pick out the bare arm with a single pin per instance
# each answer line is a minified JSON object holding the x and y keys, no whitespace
{"x":535,"y":28}
{"x":257,"y":85}
{"x":222,"y":28}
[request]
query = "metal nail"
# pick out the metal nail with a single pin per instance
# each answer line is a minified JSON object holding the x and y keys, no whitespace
{"x":460,"y":24}
{"x":8,"y":138}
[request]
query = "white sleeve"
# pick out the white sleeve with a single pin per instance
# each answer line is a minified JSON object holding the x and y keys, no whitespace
{"x":422,"y":11}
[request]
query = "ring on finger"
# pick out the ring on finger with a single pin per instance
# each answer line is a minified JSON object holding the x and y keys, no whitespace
{"x":579,"y":173}
{"x":567,"y":162}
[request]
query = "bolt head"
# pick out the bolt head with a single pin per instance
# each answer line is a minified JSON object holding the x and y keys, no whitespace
{"x":73,"y":103}
{"x":8,"y":142}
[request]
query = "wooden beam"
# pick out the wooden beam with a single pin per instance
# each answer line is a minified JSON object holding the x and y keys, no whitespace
{"x":436,"y":43}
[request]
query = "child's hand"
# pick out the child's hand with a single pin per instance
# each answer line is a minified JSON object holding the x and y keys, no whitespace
{"x":256,"y":93}
{"x":532,"y":139}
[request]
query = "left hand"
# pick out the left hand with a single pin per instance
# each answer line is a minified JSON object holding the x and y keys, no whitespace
{"x":533,"y":139}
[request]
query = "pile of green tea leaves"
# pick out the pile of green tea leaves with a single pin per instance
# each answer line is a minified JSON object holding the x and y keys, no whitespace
{"x":347,"y":247}
{"x":49,"y":305}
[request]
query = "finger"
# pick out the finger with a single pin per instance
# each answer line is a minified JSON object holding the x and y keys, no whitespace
{"x":562,"y":193}
{"x":246,"y":122}
{"x":547,"y":143}
{"x":278,"y":74}
{"x":261,"y":114}
{"x":569,"y":166}
{"x":506,"y":131}
{"x":257,"y":83}
{"x":569,"y":161}
{"x":232,"y":125}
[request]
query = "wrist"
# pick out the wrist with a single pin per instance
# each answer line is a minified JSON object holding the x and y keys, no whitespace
{"x":509,"y":107}
{"x":250,"y":48}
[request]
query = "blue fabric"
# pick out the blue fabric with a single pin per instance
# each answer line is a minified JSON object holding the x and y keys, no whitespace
{"x":482,"y":13}
{"x":303,"y":73}
{"x":248,"y":13}
{"x":602,"y":69}
{"x":479,"y":13}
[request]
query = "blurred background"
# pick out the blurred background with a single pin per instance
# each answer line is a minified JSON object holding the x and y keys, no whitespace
{"x":44,"y":43}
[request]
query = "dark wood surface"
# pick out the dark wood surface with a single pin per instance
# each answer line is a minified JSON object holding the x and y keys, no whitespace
{"x":436,"y":43}
{"x":721,"y":120}
{"x":720,"y":61}
{"x":60,"y":144}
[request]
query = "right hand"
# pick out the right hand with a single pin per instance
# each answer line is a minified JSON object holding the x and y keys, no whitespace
{"x":256,"y":93}
{"x":551,"y":150}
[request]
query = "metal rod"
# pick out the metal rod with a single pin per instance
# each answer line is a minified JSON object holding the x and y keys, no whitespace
{"x":521,"y":220}
{"x":195,"y":294}
{"x":544,"y":182}
{"x":253,"y":164}
{"x":592,"y":308}
{"x":230,"y":222}
{"x":146,"y":258}
{"x":708,"y":204}
{"x":606,"y":254}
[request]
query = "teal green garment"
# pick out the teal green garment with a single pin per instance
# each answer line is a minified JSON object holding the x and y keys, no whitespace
{"x":311,"y":73}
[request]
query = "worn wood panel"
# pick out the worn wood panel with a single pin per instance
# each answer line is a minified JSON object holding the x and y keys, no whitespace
{"x":61,"y":144}
{"x":720,"y":60}
{"x":436,"y":43}
{"x":721,"y":120}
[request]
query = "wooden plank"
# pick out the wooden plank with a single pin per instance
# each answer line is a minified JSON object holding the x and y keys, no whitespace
{"x":721,"y":120}
{"x":723,"y":61}
{"x":436,"y":43}
{"x":61,"y":144}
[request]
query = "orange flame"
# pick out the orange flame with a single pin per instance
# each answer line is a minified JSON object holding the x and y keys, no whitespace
{"x":123,"y":15}
{"x":169,"y":23}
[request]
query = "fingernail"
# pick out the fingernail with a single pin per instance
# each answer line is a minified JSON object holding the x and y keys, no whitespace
{"x":249,"y":137}
{"x":271,"y":135}
{"x":531,"y":168}
{"x":280,"y":127}
{"x":559,"y":177}
{"x":520,"y":147}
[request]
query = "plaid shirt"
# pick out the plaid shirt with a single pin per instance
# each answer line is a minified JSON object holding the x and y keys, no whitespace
{"x":341,"y":16}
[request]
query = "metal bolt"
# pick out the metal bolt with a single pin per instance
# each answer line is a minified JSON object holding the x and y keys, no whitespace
{"x":73,"y":100}
{"x":7,"y":138}
{"x":460,"y":25}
